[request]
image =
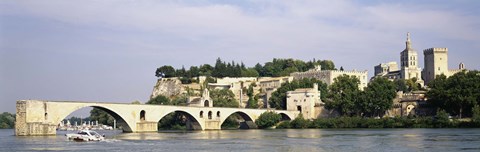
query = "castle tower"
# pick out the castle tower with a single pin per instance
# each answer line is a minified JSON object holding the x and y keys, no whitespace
{"x":409,"y":62}
{"x":436,"y":63}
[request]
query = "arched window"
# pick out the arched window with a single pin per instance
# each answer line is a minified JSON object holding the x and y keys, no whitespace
{"x":46,"y":116}
{"x":210,"y":115}
{"x":201,"y":114}
{"x":218,"y":113}
{"x":206,"y":104}
{"x":142,"y":115}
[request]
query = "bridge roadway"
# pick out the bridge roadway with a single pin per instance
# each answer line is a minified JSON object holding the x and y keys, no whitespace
{"x":37,"y":117}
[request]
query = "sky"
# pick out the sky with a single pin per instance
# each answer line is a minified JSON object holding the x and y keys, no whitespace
{"x":108,"y":50}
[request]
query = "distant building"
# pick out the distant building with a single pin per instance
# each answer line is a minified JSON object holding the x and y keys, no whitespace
{"x":328,"y":76}
{"x":409,"y":63}
{"x":307,"y":101}
{"x":410,"y":104}
{"x":235,"y":85}
{"x":389,"y":70}
{"x":436,"y":63}
{"x":268,"y":85}
{"x":203,"y":101}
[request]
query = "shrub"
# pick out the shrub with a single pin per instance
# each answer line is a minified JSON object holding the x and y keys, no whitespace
{"x":441,"y":119}
{"x":284,"y":125}
{"x":268,"y":119}
{"x":476,"y":116}
{"x":300,"y":122}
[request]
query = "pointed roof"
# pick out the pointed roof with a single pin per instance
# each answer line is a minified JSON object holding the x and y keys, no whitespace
{"x":408,"y":43}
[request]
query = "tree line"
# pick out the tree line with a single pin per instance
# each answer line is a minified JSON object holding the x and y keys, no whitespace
{"x":457,"y":95}
{"x":275,"y":68}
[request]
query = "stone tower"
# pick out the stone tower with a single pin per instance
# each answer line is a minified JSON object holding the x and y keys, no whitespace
{"x":409,"y":63}
{"x":436,"y":63}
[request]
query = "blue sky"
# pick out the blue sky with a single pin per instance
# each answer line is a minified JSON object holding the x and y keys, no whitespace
{"x":108,"y":50}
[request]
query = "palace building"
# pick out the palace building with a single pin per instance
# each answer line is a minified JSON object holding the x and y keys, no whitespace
{"x":436,"y":63}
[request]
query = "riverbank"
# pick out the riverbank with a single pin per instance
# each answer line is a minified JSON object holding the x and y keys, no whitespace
{"x":396,"y":122}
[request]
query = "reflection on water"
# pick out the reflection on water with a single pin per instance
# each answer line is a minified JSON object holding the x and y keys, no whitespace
{"x":258,"y":140}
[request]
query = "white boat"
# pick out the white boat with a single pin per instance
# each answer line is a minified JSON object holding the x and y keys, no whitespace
{"x":85,"y":135}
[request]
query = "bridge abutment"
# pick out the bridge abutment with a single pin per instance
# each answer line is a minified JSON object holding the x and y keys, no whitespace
{"x":36,"y":124}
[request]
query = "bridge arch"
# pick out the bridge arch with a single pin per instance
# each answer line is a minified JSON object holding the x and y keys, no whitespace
{"x":284,"y":116}
{"x":121,"y":119}
{"x":242,"y":114}
{"x":192,"y":117}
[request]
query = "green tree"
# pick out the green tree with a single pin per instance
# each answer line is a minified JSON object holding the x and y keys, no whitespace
{"x":278,"y":99}
{"x":377,"y":97}
{"x":438,"y":93}
{"x":476,"y":115}
{"x":250,"y":72}
{"x":268,"y":119}
{"x":223,"y":98}
{"x":220,"y":69}
{"x":401,"y":85}
{"x":136,"y":102}
{"x":457,"y":94}
{"x":412,"y":85}
{"x":327,"y":64}
{"x":194,"y":71}
{"x":343,"y":94}
{"x":464,"y":91}
{"x":160,"y":100}
{"x":299,"y":122}
{"x":252,"y":102}
{"x":441,"y":119}
{"x":167,"y":70}
{"x":100,"y":115}
{"x":7,"y":120}
{"x":206,"y":70}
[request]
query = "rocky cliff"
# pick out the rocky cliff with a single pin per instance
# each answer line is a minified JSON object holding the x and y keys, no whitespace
{"x":167,"y":87}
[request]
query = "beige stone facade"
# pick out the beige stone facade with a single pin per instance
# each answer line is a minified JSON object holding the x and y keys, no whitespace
{"x":307,"y":101}
{"x":203,"y":101}
{"x":37,"y":117}
{"x":436,"y":63}
{"x":413,"y":104}
{"x":328,"y":76}
{"x":409,"y":63}
{"x":268,"y":85}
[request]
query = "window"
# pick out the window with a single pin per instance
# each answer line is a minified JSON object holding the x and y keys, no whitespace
{"x":218,"y":113}
{"x":210,"y":115}
{"x":201,"y":114}
{"x":142,"y":115}
{"x":206,"y":104}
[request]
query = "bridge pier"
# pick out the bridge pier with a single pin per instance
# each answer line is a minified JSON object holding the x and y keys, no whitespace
{"x":147,"y":126}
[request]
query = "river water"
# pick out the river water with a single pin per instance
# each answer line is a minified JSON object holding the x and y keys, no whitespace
{"x":307,"y":140}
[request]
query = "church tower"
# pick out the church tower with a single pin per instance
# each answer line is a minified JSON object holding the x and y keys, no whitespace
{"x":409,"y":56}
{"x":409,"y":62}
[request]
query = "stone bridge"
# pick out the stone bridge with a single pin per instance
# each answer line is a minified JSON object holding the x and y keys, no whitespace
{"x":36,"y":117}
